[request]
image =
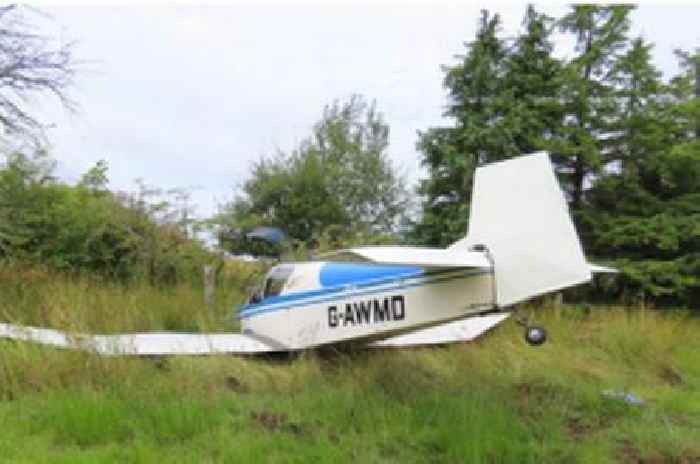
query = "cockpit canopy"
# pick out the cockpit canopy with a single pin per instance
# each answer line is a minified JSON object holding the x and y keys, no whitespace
{"x":276,"y":280}
{"x":285,"y":277}
{"x":273,"y":283}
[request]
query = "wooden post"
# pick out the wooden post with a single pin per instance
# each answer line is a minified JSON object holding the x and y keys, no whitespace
{"x":558,"y":300}
{"x":210,"y":286}
{"x":211,"y":274}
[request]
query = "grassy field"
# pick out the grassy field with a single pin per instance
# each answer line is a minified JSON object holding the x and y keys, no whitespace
{"x":494,"y":400}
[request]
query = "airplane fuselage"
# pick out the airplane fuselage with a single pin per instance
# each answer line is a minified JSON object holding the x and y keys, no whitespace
{"x":368,"y":308}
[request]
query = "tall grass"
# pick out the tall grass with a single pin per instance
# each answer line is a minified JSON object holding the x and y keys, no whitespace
{"x":33,"y":295}
{"x":493,"y":400}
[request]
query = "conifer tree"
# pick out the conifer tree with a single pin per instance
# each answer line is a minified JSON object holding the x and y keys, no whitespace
{"x":503,"y":100}
{"x":588,"y":93}
{"x":626,"y":145}
{"x":532,"y":111}
{"x":638,"y":85}
{"x":452,"y":153}
{"x":644,"y":214}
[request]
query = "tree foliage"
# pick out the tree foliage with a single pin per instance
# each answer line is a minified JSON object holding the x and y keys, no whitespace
{"x":87,"y":228}
{"x":624,"y":142}
{"x":645,"y":214}
{"x":338,"y":182}
{"x":588,"y":93}
{"x":502,"y":99}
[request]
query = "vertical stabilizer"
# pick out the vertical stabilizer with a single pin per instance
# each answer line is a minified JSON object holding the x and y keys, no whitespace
{"x":519,"y":212}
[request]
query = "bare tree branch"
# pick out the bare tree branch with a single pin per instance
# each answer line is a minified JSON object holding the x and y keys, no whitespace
{"x":32,"y":65}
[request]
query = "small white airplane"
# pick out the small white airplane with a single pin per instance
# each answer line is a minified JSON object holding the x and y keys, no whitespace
{"x":521,"y":244}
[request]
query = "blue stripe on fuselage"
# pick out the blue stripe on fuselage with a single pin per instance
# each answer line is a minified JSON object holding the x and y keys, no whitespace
{"x":350,"y":290}
{"x":334,"y":274}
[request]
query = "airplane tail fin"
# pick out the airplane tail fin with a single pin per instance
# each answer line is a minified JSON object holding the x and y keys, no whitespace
{"x":520,"y":215}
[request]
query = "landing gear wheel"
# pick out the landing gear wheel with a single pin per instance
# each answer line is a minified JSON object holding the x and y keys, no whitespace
{"x":535,"y":335}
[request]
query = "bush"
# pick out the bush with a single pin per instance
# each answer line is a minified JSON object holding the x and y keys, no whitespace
{"x":87,"y":228}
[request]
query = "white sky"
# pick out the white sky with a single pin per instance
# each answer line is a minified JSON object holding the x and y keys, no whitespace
{"x":189,"y":96}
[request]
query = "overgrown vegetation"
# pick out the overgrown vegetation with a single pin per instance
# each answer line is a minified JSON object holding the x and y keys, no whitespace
{"x":42,"y":296}
{"x":86,"y":228}
{"x":495,"y":400}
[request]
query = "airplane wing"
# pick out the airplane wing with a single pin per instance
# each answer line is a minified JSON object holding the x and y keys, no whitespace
{"x":179,"y":344}
{"x":412,"y":256}
{"x":143,"y":344}
{"x":463,"y":330}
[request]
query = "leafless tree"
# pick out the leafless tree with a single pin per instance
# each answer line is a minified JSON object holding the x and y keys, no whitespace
{"x":33,"y":64}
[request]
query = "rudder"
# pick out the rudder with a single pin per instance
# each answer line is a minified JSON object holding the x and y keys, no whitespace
{"x":520,"y":214}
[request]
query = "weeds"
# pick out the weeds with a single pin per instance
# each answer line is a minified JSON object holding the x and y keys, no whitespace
{"x":494,"y":400}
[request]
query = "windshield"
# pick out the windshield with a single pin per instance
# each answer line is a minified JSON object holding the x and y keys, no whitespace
{"x":275,"y":280}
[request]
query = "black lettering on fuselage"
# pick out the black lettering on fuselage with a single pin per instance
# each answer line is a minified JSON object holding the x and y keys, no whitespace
{"x":363,"y":311}
{"x":373,"y":311}
{"x":398,"y":309}
{"x":332,"y":316}
{"x":349,"y":316}
{"x":381,"y":311}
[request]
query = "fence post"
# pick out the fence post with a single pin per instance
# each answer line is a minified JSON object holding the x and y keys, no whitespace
{"x":558,"y":300}
{"x":210,"y":286}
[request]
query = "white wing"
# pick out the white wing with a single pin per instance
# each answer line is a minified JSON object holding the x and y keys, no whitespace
{"x":412,"y":256}
{"x":171,"y":344}
{"x":144,"y":344}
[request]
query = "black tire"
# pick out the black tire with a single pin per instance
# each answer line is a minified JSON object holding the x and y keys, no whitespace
{"x":535,"y":335}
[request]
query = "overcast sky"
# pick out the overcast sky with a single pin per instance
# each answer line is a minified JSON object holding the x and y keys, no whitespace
{"x":189,"y":96}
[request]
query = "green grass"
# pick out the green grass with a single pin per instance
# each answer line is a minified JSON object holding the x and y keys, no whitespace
{"x":495,"y":400}
{"x":31,"y":295}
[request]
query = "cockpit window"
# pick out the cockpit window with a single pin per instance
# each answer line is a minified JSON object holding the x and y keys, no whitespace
{"x":276,"y":278}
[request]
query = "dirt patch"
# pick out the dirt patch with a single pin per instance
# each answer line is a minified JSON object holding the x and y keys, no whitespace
{"x":233,"y":384}
{"x":671,"y":376}
{"x":528,"y":392}
{"x":278,"y":422}
{"x":629,"y":454}
{"x":576,"y":428}
{"x":269,"y":420}
{"x":160,"y":362}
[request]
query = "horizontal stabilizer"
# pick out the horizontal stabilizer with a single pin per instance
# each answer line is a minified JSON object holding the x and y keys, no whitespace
{"x":463,"y":330}
{"x":412,"y":256}
{"x":596,"y":269}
